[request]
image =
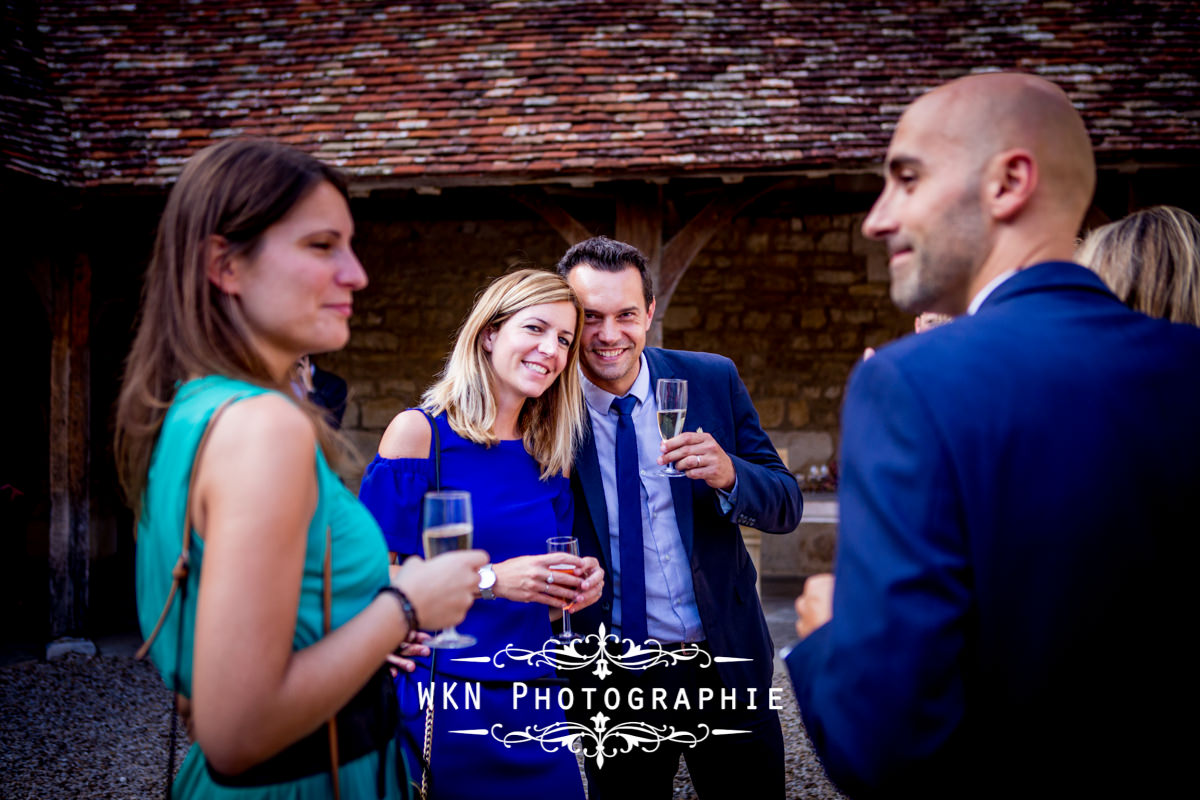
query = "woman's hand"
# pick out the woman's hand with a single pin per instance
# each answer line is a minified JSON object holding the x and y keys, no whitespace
{"x":441,"y":589}
{"x":592,"y":586}
{"x":529,"y":579}
{"x":402,"y":659}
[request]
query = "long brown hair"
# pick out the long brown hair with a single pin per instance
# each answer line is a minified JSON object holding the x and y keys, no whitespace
{"x":551,"y":425}
{"x":187,"y":326}
{"x":1151,"y":260}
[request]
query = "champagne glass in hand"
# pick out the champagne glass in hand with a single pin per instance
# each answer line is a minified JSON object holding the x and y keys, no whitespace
{"x":671,"y":395}
{"x":564,"y":544}
{"x":446,"y":526}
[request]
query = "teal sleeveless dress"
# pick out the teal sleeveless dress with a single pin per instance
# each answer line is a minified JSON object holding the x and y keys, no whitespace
{"x":359,"y":570}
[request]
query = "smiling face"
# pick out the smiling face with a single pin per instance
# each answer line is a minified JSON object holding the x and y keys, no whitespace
{"x":295,"y":287}
{"x":529,"y":350}
{"x":615,"y":322}
{"x":930,"y":214}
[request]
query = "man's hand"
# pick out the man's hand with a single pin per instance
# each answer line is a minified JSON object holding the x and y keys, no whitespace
{"x":814,"y":607}
{"x":699,"y":455}
{"x":402,"y":659}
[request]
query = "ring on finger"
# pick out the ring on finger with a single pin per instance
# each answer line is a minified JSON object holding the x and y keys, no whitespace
{"x":550,"y":578}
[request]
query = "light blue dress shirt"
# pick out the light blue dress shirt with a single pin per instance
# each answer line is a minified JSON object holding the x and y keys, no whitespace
{"x":672,"y":614}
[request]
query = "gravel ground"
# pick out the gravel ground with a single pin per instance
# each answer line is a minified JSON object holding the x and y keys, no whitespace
{"x":98,"y":728}
{"x":83,"y":727}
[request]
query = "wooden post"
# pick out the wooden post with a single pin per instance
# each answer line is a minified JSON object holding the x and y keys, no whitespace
{"x":640,"y":223}
{"x":70,"y":401}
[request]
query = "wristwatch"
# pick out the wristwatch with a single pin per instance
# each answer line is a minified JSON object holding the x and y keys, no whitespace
{"x":487,"y":579}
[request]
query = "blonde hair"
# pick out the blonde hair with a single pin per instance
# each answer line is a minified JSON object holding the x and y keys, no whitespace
{"x":187,"y":327}
{"x":551,"y":425}
{"x":1151,"y":260}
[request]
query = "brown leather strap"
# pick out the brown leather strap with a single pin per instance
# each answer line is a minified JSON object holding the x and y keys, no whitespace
{"x":327,"y":606}
{"x":179,"y":572}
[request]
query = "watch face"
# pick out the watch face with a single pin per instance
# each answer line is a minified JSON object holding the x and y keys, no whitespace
{"x":487,"y":577}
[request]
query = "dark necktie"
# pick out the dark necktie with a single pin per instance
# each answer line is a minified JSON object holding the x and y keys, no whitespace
{"x":629,"y":521}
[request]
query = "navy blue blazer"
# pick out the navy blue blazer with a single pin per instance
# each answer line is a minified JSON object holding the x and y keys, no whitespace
{"x":768,"y":498}
{"x":1016,"y":522}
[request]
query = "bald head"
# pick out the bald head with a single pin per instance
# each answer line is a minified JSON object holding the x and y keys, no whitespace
{"x":986,"y":115}
{"x":984,"y":175}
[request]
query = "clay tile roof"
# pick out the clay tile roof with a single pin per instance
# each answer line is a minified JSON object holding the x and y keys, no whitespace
{"x":529,"y":90}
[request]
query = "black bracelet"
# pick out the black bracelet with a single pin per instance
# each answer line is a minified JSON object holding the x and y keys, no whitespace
{"x":410,"y":613}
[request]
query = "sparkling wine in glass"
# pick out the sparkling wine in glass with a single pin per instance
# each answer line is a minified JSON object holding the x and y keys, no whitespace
{"x":564,"y":544}
{"x":446,"y":526}
{"x":671,"y":395}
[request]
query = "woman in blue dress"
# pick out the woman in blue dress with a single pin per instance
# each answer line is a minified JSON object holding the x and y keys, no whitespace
{"x":509,"y":414}
{"x":252,"y":269}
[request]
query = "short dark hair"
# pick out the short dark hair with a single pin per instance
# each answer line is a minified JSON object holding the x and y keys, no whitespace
{"x":608,"y":255}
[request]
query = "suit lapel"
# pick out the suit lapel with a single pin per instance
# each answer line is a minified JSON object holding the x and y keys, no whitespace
{"x":587,"y":466}
{"x":681,"y":488}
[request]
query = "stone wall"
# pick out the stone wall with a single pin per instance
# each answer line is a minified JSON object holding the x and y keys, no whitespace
{"x":792,"y":300}
{"x":424,"y":277}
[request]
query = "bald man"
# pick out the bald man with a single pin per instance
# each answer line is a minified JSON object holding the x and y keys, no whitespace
{"x":1008,"y":616}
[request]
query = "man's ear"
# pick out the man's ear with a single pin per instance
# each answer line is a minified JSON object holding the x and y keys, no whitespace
{"x":650,"y":313}
{"x":221,"y":270}
{"x":1011,"y":181}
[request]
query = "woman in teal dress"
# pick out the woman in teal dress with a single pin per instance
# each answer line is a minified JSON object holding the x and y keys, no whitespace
{"x":509,"y":412}
{"x":252,"y":269}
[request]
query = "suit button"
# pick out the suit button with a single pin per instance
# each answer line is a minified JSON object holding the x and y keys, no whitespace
{"x":607,"y":606}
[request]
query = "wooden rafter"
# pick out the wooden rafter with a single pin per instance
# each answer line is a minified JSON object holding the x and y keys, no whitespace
{"x":639,"y":222}
{"x":555,"y":215}
{"x":678,"y":253}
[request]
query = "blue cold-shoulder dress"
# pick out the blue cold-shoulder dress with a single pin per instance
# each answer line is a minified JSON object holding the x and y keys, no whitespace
{"x":514,"y":513}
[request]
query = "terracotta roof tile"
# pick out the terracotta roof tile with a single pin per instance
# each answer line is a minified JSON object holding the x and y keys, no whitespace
{"x":122,"y":93}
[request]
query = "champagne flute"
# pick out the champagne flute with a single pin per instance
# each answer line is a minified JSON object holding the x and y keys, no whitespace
{"x":446,"y":526}
{"x":564,"y":544}
{"x":671,"y":394}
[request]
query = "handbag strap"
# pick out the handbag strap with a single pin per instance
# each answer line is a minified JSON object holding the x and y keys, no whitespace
{"x":179,"y":575}
{"x":437,"y":451}
{"x":427,"y":749}
{"x":179,"y":572}
{"x":327,"y":625}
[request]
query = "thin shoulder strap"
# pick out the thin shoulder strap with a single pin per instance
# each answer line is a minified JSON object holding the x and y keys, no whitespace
{"x":437,"y":451}
{"x":427,"y":749}
{"x":180,"y":571}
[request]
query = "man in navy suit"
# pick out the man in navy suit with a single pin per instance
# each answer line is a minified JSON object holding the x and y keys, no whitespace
{"x":1008,"y":617}
{"x":680,"y":544}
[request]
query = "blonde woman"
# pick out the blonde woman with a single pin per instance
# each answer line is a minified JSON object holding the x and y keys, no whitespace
{"x":509,"y":413}
{"x":251,"y":270}
{"x":1151,"y":260}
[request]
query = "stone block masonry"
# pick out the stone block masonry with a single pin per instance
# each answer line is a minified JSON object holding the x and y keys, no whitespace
{"x":424,"y":276}
{"x":789,"y":299}
{"x":792,"y":302}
